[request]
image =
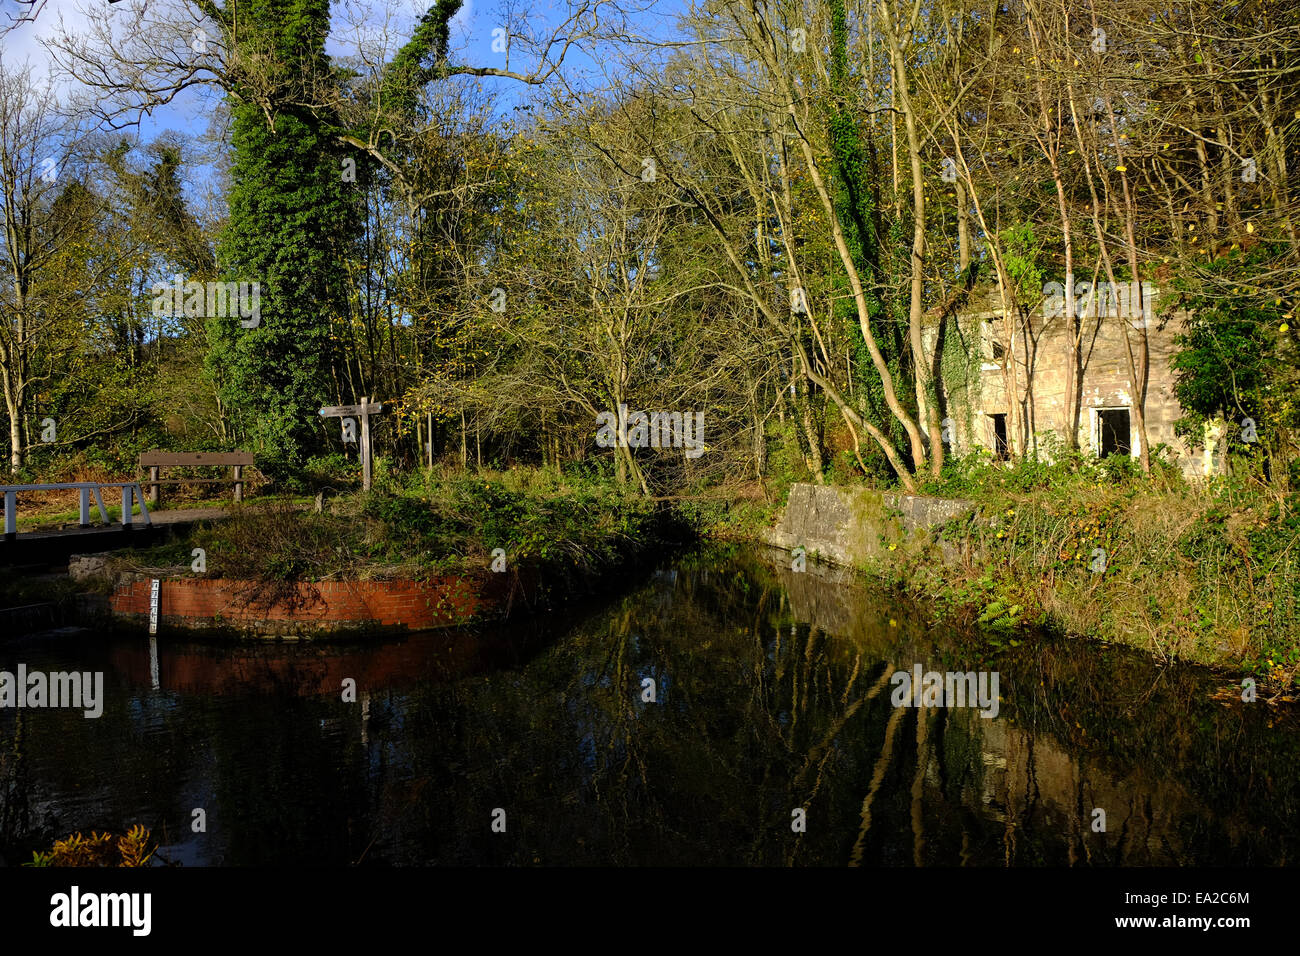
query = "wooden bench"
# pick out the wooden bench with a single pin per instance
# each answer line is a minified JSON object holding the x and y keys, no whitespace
{"x":156,"y":460}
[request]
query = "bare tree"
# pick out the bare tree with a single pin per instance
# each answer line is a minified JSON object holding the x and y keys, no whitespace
{"x":42,"y":215}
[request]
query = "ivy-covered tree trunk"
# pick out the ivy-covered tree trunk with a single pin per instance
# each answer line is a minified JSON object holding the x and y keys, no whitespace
{"x":857,"y":207}
{"x":292,"y":222}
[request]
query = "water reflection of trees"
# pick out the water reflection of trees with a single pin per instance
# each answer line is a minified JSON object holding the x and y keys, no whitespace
{"x":761,"y":711}
{"x":756,"y":715}
{"x":1183,"y":779}
{"x":773,"y":695}
{"x":14,"y":811}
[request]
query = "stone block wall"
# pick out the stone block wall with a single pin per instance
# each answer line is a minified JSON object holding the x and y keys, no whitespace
{"x":854,"y":526}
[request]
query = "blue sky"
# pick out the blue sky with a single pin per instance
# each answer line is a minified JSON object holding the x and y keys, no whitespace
{"x":191,"y":113}
{"x":471,"y":40}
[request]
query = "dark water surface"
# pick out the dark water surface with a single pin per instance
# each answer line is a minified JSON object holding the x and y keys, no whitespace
{"x":773,"y":694}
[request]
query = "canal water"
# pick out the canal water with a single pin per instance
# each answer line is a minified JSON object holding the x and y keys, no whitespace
{"x":720,"y":710}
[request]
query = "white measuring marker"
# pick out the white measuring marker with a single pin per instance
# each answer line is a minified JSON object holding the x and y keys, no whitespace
{"x":153,"y":606}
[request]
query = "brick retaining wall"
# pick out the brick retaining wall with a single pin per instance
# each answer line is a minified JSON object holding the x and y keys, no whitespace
{"x":315,"y":608}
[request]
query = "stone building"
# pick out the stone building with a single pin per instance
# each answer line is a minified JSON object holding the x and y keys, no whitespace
{"x":978,"y":379}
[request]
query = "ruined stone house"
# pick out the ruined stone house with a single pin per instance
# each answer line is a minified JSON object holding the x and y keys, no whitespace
{"x":980,"y":387}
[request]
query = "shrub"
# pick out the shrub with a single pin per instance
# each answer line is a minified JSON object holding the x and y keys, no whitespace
{"x":99,"y":849}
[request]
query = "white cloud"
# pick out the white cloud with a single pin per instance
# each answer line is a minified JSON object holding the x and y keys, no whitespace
{"x":22,"y":42}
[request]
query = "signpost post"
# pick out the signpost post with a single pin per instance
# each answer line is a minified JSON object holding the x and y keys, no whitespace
{"x":362,"y":411}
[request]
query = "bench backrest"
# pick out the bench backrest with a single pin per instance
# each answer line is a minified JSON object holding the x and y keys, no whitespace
{"x":160,"y":459}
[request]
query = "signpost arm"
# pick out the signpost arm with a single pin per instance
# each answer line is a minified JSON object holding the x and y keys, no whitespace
{"x":363,"y":411}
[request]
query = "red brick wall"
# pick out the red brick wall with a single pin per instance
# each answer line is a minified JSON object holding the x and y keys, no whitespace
{"x":412,"y":605}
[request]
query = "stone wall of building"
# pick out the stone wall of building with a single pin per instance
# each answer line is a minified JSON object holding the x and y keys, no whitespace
{"x":1041,"y":369}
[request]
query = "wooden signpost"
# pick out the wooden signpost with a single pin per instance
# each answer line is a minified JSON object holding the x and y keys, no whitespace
{"x":362,"y":411}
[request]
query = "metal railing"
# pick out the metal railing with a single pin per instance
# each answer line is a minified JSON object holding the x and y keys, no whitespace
{"x":130,"y":490}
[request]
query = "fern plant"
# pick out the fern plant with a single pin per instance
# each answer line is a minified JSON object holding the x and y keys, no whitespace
{"x":99,"y":849}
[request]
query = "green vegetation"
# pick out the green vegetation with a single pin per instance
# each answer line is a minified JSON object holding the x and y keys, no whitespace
{"x":1206,"y":573}
{"x":431,"y":525}
{"x":1237,"y":365}
{"x":99,"y":849}
{"x":500,"y":277}
{"x":272,"y":376}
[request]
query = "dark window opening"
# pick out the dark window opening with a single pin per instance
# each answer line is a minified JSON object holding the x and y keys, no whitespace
{"x":1000,"y":448}
{"x":996,"y":349}
{"x":1113,"y":432}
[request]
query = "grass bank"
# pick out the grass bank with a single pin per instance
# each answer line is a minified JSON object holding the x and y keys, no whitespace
{"x":571,"y":531}
{"x":1207,"y":573}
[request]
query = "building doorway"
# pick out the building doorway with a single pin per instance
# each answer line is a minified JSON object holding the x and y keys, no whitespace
{"x":1113,"y":431}
{"x":998,"y":429}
